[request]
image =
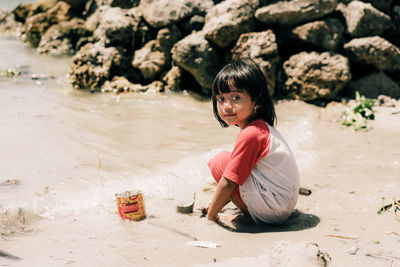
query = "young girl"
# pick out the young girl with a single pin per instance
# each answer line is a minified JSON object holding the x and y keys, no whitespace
{"x":260,"y":175}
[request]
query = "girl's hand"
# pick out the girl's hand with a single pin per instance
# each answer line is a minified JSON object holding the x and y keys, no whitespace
{"x":214,"y":219}
{"x":204,"y":212}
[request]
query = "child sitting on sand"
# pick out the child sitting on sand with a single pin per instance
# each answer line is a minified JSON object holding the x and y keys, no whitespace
{"x":260,"y":175}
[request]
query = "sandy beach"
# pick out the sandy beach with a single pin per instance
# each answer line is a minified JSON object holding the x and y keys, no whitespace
{"x":349,"y":180}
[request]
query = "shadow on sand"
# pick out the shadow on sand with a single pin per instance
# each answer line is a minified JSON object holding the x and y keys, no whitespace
{"x":296,"y":222}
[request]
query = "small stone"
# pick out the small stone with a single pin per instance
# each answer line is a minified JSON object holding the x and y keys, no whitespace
{"x":353,"y":250}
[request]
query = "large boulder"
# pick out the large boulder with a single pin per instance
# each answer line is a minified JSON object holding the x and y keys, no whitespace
{"x":117,"y":27}
{"x":363,"y":19}
{"x":226,"y":21}
{"x":263,"y":49}
{"x":161,"y":13}
{"x":63,"y":38}
{"x":155,"y":56}
{"x":93,"y":65}
{"x":326,"y":33}
{"x":375,"y":51}
{"x":375,"y":84}
{"x":37,"y":25}
{"x":199,"y":57}
{"x":287,"y":13}
{"x":316,"y":76}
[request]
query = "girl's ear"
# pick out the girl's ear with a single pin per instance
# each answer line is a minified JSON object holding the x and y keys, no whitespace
{"x":256,"y":107}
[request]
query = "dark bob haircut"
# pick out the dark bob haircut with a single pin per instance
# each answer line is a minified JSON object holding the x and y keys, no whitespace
{"x":246,"y":76}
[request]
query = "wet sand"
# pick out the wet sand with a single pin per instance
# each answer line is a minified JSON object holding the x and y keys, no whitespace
{"x":348,"y":172}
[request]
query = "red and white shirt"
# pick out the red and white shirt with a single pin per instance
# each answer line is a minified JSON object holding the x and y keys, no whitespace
{"x":265,"y":169}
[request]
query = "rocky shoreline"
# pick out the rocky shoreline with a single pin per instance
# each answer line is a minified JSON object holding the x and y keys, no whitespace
{"x":312,"y":50}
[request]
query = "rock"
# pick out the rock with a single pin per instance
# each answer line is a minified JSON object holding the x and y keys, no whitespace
{"x":326,"y":33}
{"x":226,"y":21}
{"x":3,"y":14}
{"x":287,"y":13}
{"x":375,"y":84}
{"x":120,"y":84}
{"x":118,"y":3}
{"x":374,"y":51}
{"x":117,"y":27}
{"x":117,"y":85}
{"x":37,"y":25}
{"x":173,"y":79}
{"x":161,"y":13}
{"x":194,"y":23}
{"x":385,"y":101}
{"x":198,"y":57}
{"x":301,"y":254}
{"x":9,"y":25}
{"x":93,"y":65}
{"x":93,"y":21}
{"x":263,"y":49}
{"x":316,"y":76}
{"x":62,"y":38}
{"x":21,"y":12}
{"x":41,"y":6}
{"x":363,"y":19}
{"x":155,"y":56}
{"x":154,"y":87}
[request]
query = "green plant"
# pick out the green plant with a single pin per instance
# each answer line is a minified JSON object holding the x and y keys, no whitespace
{"x":10,"y":72}
{"x":358,"y":112}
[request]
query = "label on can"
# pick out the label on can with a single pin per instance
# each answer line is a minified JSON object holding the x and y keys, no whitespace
{"x":130,"y":205}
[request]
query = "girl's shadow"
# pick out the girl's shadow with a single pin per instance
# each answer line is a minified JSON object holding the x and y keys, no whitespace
{"x":296,"y":222}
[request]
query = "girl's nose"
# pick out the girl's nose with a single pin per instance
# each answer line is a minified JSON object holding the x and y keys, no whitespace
{"x":227,"y":104}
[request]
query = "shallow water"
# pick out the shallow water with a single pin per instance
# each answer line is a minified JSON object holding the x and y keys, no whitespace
{"x":84,"y":146}
{"x":11,"y":4}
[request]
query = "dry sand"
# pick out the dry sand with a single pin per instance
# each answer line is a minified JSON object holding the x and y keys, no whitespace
{"x":356,"y":172}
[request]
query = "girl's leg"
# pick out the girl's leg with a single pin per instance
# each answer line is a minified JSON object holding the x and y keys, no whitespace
{"x":217,"y":166}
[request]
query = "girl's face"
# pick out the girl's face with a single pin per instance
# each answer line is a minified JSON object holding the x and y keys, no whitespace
{"x":235,"y":107}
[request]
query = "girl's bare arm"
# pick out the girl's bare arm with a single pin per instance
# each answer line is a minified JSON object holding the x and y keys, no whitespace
{"x":221,"y":197}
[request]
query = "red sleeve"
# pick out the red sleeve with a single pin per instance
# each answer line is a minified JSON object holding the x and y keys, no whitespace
{"x":251,"y":145}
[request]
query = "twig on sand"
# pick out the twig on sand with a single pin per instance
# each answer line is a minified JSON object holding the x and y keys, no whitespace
{"x":343,"y":237}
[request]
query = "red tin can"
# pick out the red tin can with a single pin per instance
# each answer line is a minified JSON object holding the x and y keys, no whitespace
{"x":130,"y":205}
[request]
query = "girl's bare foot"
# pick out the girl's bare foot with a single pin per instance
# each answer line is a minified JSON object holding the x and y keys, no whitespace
{"x":235,"y":222}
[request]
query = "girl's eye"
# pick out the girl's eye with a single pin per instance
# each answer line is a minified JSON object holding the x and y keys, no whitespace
{"x":220,"y":99}
{"x":235,"y":97}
